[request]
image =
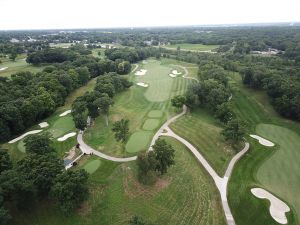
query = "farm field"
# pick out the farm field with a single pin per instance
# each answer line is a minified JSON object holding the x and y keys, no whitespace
{"x":192,"y":47}
{"x":137,"y":105}
{"x":185,"y":195}
{"x":264,"y":166}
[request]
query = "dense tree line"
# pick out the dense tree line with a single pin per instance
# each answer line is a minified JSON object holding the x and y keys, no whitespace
{"x":38,"y":176}
{"x":98,"y":101}
{"x":26,"y":98}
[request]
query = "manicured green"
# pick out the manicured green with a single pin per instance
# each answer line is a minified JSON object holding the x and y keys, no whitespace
{"x":92,"y":166}
{"x":280,"y":174}
{"x":150,"y":124}
{"x":203,"y":131}
{"x":138,"y":141}
{"x":62,"y":126}
{"x":155,"y":114}
{"x":185,"y":195}
{"x":193,"y":47}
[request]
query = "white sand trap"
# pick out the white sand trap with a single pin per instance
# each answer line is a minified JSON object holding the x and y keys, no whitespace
{"x":141,"y":72}
{"x":142,"y":84}
{"x":24,"y":135}
{"x":262,"y":141}
{"x":175,"y":72}
{"x":4,"y":68}
{"x":65,"y":113}
{"x":43,"y":124}
{"x":172,"y":75}
{"x":145,"y":62}
{"x":277,"y":207}
{"x":66,"y":136}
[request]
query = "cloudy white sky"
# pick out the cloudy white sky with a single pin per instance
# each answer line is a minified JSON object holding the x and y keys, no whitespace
{"x":48,"y":14}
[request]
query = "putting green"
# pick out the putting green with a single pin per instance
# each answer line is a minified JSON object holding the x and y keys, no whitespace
{"x":155,"y":114}
{"x":160,"y":84}
{"x":138,"y":141}
{"x":61,"y":126}
{"x":21,"y":146}
{"x":151,"y":124}
{"x":92,"y":166}
{"x":280,"y":173}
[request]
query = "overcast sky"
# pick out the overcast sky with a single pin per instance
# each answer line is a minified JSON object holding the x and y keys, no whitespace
{"x":48,"y":14}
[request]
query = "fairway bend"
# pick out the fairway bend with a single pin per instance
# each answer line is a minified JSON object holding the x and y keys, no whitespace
{"x":89,"y":150}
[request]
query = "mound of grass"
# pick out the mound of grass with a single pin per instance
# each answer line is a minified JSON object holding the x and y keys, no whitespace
{"x":21,"y":146}
{"x":138,"y":141}
{"x":280,"y":174}
{"x":151,"y":124}
{"x":62,"y":126}
{"x":201,"y":130}
{"x":155,"y":114}
{"x":92,"y":166}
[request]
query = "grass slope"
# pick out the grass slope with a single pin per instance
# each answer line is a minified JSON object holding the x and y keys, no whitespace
{"x":186,"y":195}
{"x":194,"y":47}
{"x":203,"y":131}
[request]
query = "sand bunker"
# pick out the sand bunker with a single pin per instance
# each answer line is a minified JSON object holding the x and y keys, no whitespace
{"x":145,"y":62}
{"x":141,"y":72}
{"x":66,"y":136}
{"x":175,"y":72}
{"x":43,"y":124}
{"x":4,"y":68}
{"x":65,"y":113}
{"x":172,"y":75}
{"x":277,"y":207}
{"x":142,"y":84}
{"x":262,"y":141}
{"x":24,"y":135}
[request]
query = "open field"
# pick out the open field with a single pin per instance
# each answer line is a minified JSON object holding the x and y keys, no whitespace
{"x":101,"y":50}
{"x":264,"y":167}
{"x":191,"y":47}
{"x":17,"y":66}
{"x":137,"y":104}
{"x":203,"y":131}
{"x":186,"y":195}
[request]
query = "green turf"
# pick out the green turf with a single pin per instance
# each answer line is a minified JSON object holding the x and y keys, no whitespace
{"x":192,"y":47}
{"x":21,"y":146}
{"x":155,"y":114}
{"x":17,"y":66}
{"x":138,"y":141}
{"x":62,"y":126}
{"x":92,"y":166}
{"x":151,"y":124}
{"x":280,"y":174}
{"x":185,"y":195}
{"x":203,"y":131}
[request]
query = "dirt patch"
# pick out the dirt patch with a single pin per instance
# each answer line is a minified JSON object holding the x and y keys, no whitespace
{"x":84,"y":209}
{"x":133,"y":188}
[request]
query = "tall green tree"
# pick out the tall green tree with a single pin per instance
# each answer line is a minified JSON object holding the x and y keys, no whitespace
{"x":70,"y":189}
{"x":164,"y":154}
{"x":5,"y":162}
{"x":234,"y":131}
{"x":121,"y":129}
{"x":80,"y":121}
{"x":40,"y":144}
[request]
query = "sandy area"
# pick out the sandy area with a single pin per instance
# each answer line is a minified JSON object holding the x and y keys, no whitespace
{"x":145,"y":62}
{"x":24,"y":135}
{"x":172,"y":75}
{"x":71,"y":154}
{"x":142,"y":84}
{"x":175,"y":72}
{"x":66,"y":136}
{"x":141,"y":72}
{"x":4,"y":68}
{"x":65,"y":113}
{"x":43,"y":124}
{"x":262,"y":141}
{"x":277,"y":207}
